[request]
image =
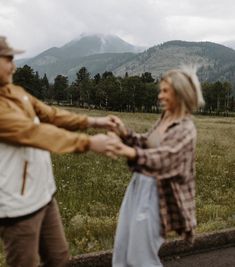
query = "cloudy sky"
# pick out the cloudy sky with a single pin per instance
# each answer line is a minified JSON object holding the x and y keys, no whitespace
{"x":36,"y":25}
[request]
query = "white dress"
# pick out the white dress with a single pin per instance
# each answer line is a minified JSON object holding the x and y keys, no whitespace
{"x":138,"y":238}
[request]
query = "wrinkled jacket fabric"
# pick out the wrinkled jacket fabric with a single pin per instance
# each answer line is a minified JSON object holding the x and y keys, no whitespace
{"x":28,"y":134}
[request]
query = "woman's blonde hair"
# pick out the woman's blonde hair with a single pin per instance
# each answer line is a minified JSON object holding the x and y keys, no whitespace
{"x":186,"y":85}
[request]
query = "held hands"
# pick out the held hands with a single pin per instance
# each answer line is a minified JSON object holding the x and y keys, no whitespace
{"x":120,"y":128}
{"x":117,"y":148}
{"x":110,"y":122}
{"x":111,"y":145}
{"x":101,"y":143}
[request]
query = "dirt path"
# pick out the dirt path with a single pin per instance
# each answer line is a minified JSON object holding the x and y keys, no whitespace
{"x":224,"y":257}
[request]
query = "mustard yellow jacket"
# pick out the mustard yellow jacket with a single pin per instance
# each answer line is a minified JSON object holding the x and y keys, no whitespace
{"x":29,"y":129}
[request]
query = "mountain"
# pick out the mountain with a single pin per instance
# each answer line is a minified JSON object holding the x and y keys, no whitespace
{"x":98,"y":52}
{"x":230,"y":44}
{"x":216,"y":61}
{"x":87,"y":45}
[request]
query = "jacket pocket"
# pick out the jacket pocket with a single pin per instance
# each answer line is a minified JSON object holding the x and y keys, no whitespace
{"x":24,"y":177}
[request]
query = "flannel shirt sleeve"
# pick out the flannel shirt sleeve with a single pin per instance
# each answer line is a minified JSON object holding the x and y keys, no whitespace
{"x":134,"y":139}
{"x":171,"y":158}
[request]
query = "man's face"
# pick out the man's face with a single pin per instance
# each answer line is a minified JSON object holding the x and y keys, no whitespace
{"x":7,"y":69}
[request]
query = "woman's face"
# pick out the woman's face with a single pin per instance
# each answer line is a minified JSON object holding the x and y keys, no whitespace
{"x":167,"y":97}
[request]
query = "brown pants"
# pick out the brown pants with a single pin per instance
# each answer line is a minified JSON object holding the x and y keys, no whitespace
{"x":40,"y":233}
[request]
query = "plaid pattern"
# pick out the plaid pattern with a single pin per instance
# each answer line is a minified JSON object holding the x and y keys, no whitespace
{"x":172,"y":163}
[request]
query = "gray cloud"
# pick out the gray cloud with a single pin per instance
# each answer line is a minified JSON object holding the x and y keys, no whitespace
{"x":39,"y":24}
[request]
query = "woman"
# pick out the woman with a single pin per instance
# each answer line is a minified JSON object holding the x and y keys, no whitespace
{"x":161,"y":195}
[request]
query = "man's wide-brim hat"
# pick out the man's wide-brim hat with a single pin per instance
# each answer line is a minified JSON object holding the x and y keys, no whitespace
{"x":6,"y":50}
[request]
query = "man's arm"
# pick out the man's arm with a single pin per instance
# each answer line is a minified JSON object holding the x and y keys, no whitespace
{"x":59,"y":117}
{"x":69,"y":120}
{"x":16,"y":128}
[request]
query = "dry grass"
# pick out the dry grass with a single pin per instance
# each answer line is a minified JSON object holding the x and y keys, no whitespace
{"x":95,"y":184}
{"x":91,"y":187}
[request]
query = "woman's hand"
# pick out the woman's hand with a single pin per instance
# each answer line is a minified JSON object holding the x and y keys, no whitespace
{"x":110,"y":122}
{"x":117,"y":148}
{"x":100,"y":143}
{"x":120,"y":128}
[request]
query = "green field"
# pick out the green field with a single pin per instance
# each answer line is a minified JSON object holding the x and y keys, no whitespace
{"x":91,"y":187}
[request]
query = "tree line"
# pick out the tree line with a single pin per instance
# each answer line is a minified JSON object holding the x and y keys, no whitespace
{"x":108,"y":92}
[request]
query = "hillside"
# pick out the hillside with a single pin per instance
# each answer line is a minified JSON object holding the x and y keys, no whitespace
{"x":70,"y":66}
{"x":109,"y":53}
{"x":97,"y":52}
{"x":216,"y":62}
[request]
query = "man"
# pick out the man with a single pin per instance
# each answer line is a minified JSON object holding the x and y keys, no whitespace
{"x":30,"y":223}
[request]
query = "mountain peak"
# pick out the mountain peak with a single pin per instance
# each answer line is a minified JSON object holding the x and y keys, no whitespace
{"x":99,"y":43}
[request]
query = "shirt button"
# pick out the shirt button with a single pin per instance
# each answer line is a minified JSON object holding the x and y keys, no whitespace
{"x":26,"y":98}
{"x":36,"y":120}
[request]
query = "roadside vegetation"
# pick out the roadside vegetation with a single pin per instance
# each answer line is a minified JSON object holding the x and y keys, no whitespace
{"x":91,"y":187}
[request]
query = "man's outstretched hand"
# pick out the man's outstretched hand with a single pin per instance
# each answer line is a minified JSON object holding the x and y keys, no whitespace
{"x":110,"y":122}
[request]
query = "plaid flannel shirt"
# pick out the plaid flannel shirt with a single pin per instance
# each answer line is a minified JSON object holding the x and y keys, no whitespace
{"x":172,"y":163}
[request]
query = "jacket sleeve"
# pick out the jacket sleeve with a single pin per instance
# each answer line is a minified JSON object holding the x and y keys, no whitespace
{"x":59,"y":117}
{"x":18,"y":129}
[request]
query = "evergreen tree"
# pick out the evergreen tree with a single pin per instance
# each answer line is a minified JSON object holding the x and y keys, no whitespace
{"x":147,"y":77}
{"x":29,"y":80}
{"x":84,"y":87}
{"x":97,"y":78}
{"x":82,"y":75}
{"x":107,"y":93}
{"x":107,"y":74}
{"x":45,"y":87}
{"x":60,"y":88}
{"x":74,"y":94}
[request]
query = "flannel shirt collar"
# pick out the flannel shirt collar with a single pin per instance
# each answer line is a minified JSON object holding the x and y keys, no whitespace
{"x":175,"y":122}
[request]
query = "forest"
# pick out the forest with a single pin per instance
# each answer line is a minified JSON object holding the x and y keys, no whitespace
{"x":124,"y":94}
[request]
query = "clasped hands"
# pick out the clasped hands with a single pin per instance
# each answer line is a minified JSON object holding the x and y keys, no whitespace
{"x":111,"y":144}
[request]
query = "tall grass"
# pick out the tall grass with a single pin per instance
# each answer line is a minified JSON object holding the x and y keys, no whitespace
{"x":91,"y":187}
{"x":215,"y":173}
